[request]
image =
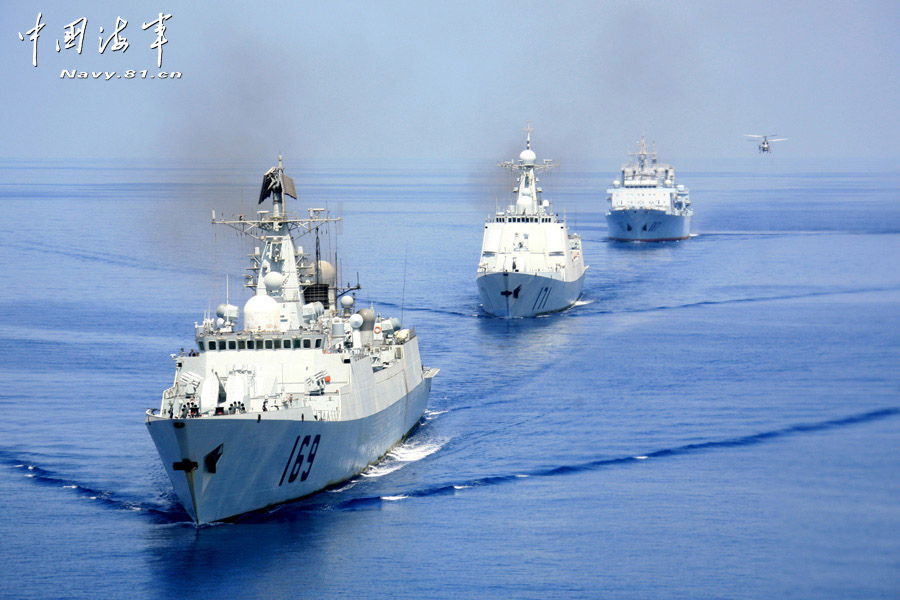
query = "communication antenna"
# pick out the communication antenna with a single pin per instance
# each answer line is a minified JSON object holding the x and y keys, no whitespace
{"x":403,"y":293}
{"x":318,"y":256}
{"x":215,"y":258}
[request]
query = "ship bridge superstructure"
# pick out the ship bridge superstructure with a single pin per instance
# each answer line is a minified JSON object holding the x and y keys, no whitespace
{"x":648,"y":184}
{"x":296,"y":342}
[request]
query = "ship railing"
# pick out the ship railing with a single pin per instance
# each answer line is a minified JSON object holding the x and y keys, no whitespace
{"x":327,"y":415}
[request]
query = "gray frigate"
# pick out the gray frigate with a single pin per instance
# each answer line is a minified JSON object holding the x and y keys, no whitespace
{"x":530,"y":263}
{"x":306,"y":393}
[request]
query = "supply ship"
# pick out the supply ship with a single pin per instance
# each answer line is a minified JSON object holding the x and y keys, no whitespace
{"x":307,"y":393}
{"x":646,"y":205}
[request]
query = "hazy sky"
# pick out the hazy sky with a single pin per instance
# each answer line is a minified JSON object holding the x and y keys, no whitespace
{"x":456,"y":80}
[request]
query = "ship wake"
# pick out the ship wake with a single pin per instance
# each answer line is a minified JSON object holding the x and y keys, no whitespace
{"x":167,"y":511}
{"x":603,"y":463}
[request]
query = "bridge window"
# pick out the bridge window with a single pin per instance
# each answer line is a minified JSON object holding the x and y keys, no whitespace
{"x":242,"y":345}
{"x":268,"y":344}
{"x":200,"y":345}
{"x":250,"y":344}
{"x":232,"y":345}
{"x":277,"y":344}
{"x":297,"y":343}
{"x":307,"y":343}
{"x":212,"y":344}
{"x":287,"y":344}
{"x":318,"y":342}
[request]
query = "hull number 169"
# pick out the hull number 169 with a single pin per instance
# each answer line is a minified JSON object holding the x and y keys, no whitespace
{"x":295,"y":466}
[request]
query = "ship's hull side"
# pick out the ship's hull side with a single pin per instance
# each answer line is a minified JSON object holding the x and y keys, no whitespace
{"x":511,"y":294}
{"x":236,"y":464}
{"x":644,"y":225}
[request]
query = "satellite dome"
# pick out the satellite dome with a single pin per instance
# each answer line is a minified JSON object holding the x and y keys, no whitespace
{"x":356,"y":321}
{"x":368,"y":317}
{"x":523,"y":205}
{"x":347,"y":301}
{"x":229,"y":312}
{"x":261,"y":313}
{"x":327,"y":274}
{"x":528,"y":157}
{"x":273,"y":281}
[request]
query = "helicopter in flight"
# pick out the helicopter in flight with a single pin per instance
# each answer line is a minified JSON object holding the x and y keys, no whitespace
{"x":764,"y":141}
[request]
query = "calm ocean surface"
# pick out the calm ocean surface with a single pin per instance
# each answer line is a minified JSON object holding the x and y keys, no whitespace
{"x":716,"y":418}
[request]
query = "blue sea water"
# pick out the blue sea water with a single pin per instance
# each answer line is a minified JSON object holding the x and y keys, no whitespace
{"x":716,"y":418}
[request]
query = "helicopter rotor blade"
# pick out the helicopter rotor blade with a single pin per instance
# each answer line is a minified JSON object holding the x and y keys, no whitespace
{"x":750,"y":135}
{"x":778,"y":140}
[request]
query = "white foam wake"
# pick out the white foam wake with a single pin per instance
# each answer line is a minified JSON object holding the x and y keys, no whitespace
{"x":344,"y":488}
{"x":401,"y":456}
{"x":394,"y":498}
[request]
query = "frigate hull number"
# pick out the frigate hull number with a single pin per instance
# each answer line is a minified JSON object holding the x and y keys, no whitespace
{"x":306,"y":453}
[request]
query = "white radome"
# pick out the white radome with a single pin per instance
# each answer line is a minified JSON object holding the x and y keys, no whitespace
{"x":273,"y":281}
{"x":261,"y":313}
{"x":327,"y":273}
{"x":528,"y":157}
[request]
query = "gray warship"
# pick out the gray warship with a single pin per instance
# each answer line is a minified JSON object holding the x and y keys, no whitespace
{"x":646,"y":205}
{"x":306,"y":394}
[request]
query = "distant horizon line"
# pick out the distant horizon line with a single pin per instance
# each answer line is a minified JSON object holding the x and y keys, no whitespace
{"x":490,"y":161}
